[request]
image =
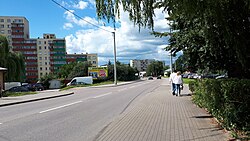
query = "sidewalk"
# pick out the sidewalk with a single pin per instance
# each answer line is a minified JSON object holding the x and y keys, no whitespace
{"x":160,"y":116}
{"x":47,"y":94}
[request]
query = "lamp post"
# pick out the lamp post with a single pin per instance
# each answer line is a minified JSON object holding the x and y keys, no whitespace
{"x":115,"y":78}
{"x":171,"y":56}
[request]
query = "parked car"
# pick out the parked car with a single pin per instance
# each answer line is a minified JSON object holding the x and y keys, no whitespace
{"x":159,"y":77}
{"x":221,"y":77}
{"x":35,"y":87}
{"x":150,"y":78}
{"x":18,"y":89}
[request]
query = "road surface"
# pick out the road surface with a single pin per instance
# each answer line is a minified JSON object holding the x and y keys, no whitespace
{"x":78,"y":117}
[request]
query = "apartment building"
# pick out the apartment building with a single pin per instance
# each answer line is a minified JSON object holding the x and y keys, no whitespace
{"x":13,"y":26}
{"x":42,"y":55}
{"x":92,"y":59}
{"x":70,"y":58}
{"x":141,"y":65}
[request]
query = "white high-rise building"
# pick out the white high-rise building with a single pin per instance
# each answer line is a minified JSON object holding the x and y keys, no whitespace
{"x":141,"y":65}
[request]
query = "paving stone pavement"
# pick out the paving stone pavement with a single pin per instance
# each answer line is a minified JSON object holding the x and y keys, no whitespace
{"x":160,"y":116}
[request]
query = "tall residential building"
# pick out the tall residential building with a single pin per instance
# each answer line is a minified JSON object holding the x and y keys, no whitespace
{"x":14,"y":27}
{"x":70,"y":58}
{"x":42,"y":55}
{"x":141,"y":65}
{"x":92,"y":59}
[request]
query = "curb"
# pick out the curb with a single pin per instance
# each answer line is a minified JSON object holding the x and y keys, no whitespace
{"x":35,"y":99}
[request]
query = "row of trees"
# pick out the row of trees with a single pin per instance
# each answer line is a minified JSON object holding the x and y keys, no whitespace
{"x":213,"y":34}
{"x":14,"y":62}
{"x":77,"y":69}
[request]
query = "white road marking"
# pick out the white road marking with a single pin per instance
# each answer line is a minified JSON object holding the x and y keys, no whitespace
{"x":59,"y":107}
{"x":122,"y":89}
{"x":102,"y":95}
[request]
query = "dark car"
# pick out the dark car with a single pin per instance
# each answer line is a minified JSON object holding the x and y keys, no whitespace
{"x":38,"y":87}
{"x":150,"y":78}
{"x":159,"y":77}
{"x":18,"y":89}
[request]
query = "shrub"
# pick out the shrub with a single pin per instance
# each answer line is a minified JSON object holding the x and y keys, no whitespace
{"x":228,"y":100}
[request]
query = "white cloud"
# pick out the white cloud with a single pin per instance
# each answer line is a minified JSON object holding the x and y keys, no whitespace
{"x":67,"y":26}
{"x":70,"y":17}
{"x":92,"y":2}
{"x":130,"y":43}
{"x":81,"y":5}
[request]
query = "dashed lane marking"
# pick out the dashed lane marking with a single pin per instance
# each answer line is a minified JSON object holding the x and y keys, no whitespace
{"x":102,"y":95}
{"x":59,"y":107}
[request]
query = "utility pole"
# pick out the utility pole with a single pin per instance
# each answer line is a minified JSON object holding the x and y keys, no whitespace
{"x":115,"y":78}
{"x":171,"y":56}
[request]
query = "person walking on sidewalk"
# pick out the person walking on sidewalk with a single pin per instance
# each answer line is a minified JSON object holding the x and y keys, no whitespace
{"x":178,"y":82}
{"x":171,"y":78}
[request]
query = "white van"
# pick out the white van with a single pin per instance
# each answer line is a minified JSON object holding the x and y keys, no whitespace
{"x":81,"y":80}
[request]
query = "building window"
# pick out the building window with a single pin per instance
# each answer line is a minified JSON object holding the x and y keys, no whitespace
{"x":45,"y":47}
{"x":8,"y":20}
{"x":40,"y":47}
{"x":2,"y":25}
{"x":41,"y":74}
{"x":46,"y":68}
{"x":2,"y":31}
{"x":45,"y":58}
{"x":2,"y":20}
{"x":41,"y":68}
{"x":44,"y":42}
{"x":40,"y":58}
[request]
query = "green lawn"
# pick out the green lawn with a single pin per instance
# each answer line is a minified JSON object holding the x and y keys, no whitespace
{"x":187,"y":80}
{"x":13,"y":94}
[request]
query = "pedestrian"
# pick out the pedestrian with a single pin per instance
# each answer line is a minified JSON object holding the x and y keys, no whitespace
{"x":172,"y":75}
{"x":178,"y":82}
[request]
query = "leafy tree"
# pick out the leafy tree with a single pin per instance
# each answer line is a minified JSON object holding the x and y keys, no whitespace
{"x":155,"y":68}
{"x":14,"y":62}
{"x":212,"y":34}
{"x":75,"y":69}
{"x":124,"y":72}
{"x":80,"y":69}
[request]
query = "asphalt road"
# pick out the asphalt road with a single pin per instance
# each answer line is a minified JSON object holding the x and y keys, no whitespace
{"x":79,"y":117}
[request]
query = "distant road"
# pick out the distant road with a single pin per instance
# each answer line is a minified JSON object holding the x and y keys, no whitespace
{"x":78,"y":117}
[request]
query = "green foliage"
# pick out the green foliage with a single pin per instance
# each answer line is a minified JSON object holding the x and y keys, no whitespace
{"x":69,"y":71}
{"x":228,"y":100}
{"x":212,"y":34}
{"x":155,"y":68}
{"x":124,"y":72}
{"x":14,"y":62}
{"x":14,"y":94}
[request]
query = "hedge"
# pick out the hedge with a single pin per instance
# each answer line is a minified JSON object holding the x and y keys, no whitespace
{"x":226,"y":99}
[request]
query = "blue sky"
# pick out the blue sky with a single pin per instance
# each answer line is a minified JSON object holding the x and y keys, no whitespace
{"x":45,"y":16}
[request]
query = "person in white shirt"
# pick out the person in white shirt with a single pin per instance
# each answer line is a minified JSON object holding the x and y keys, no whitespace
{"x":172,"y":75}
{"x":177,"y":80}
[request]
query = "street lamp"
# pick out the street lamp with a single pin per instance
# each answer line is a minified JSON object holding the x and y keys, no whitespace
{"x":115,"y":78}
{"x":171,"y":55}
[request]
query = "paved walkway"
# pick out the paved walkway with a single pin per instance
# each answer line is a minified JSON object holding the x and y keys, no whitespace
{"x":160,"y":116}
